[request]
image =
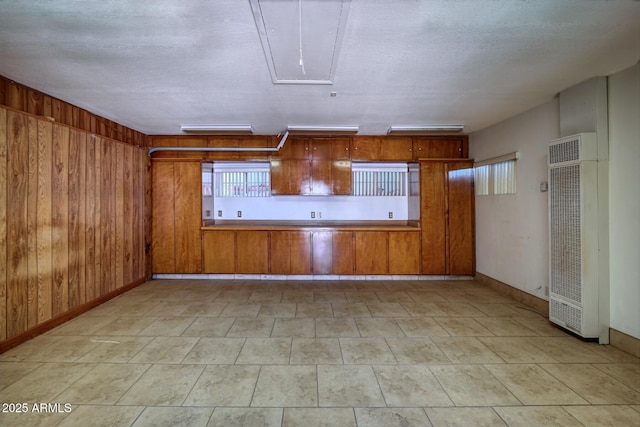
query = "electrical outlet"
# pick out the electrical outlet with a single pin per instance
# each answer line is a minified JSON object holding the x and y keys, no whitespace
{"x":319,"y":215}
{"x":239,"y":214}
{"x":313,"y":214}
{"x":220,"y":213}
{"x":207,"y":213}
{"x":390,"y":215}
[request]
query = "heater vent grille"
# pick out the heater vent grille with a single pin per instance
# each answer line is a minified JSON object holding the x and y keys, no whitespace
{"x":567,"y":151}
{"x":569,"y":315}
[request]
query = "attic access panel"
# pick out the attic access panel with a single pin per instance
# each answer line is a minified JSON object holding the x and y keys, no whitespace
{"x":301,"y":38}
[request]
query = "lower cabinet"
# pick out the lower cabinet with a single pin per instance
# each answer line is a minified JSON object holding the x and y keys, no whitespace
{"x":252,"y":252}
{"x":372,"y":252}
{"x":219,"y":252}
{"x":290,"y":252}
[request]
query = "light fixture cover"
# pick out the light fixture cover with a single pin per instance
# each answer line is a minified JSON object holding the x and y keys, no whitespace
{"x":218,"y":129}
{"x":423,"y":129}
{"x":324,"y":130}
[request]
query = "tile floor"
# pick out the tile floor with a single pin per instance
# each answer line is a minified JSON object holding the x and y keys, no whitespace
{"x":387,"y":353}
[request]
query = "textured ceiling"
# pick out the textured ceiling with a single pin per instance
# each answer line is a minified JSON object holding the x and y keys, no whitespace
{"x":155,"y":65}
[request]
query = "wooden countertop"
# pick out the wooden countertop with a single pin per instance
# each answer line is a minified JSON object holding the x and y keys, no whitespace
{"x":312,"y":225}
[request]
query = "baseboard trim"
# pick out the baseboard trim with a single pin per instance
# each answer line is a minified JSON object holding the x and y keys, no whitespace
{"x":624,"y":342}
{"x":56,"y":321}
{"x":538,"y":304}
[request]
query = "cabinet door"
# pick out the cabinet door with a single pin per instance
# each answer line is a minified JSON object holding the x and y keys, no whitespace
{"x":404,"y":252}
{"x":322,"y":252}
{"x":371,"y":252}
{"x":366,"y":148}
{"x":255,"y":142}
{"x":252,"y":252}
{"x":321,"y":180}
{"x":341,"y":149}
{"x":300,"y":252}
{"x":432,"y":215}
{"x":188,"y":217}
{"x":163,"y":221}
{"x":341,"y":177}
{"x":398,"y":148}
{"x":321,"y":148}
{"x":280,"y":252}
{"x":219,"y":251}
{"x":342,"y":252}
{"x":461,"y":219}
{"x":300,"y":176}
{"x":280,"y":177}
{"x":439,"y":147}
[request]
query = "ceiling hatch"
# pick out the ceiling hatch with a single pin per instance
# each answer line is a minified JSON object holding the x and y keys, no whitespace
{"x":301,"y":38}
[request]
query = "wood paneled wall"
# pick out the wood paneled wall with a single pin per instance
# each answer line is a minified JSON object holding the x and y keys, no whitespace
{"x":72,"y":220}
{"x":23,"y":98}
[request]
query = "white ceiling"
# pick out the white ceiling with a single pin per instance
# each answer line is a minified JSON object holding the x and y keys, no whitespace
{"x":155,"y":65}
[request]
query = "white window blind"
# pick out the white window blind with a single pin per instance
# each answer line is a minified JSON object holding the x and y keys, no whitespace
{"x":241,"y":180}
{"x":384,"y":180}
{"x":496,"y":175}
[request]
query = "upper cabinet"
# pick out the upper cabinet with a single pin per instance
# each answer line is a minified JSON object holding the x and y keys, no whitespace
{"x":440,"y":147}
{"x":392,"y":148}
{"x":312,"y":166}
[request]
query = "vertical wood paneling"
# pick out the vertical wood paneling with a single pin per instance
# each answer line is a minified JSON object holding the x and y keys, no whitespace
{"x":60,"y":220}
{"x":43,"y":233}
{"x":113,"y":217}
{"x":105,"y":216}
{"x":90,"y":219}
{"x":74,"y":218}
{"x":32,"y":220}
{"x":138,"y":212}
{"x":188,"y":217}
{"x":118,"y":158}
{"x":127,"y":214}
{"x":3,"y":223}
{"x":17,"y":186}
{"x":97,"y":220}
{"x":82,"y":211}
{"x":432,"y":215}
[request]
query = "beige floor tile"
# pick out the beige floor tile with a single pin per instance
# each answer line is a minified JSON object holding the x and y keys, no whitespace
{"x":163,"y":385}
{"x":277,"y":310}
{"x":349,"y":309}
{"x":315,"y":351}
{"x":101,"y":416}
{"x":314,"y":310}
{"x":240,"y":310}
{"x":458,"y":417}
{"x":516,"y":350}
{"x":245,"y":417}
{"x":602,"y":415}
{"x":167,"y":326}
{"x":329,"y":296}
{"x":250,"y":327}
{"x":503,"y":327}
{"x":459,"y":309}
{"x":298,"y":297}
{"x":233,"y":296}
{"x":209,"y":327}
{"x":366,"y":351}
{"x":200,"y":309}
{"x":410,"y":385}
{"x":286,"y":386}
{"x":169,"y":308}
{"x":23,"y":351}
{"x":526,"y":416}
{"x":348,"y":386}
{"x":421,"y":327}
{"x":165,"y":350}
{"x":82,"y":325}
{"x":387,"y":309}
{"x":392,"y":417}
{"x":424,"y":309}
{"x":114,"y":349}
{"x":267,"y":351}
{"x":11,"y":372}
{"x":466,"y":350}
{"x":379,"y":327}
{"x":294,"y":327}
{"x":172,"y":416}
{"x":426,"y":296}
{"x":395,"y":296}
{"x":67,"y":349}
{"x":361,"y":296}
{"x":542,"y":327}
{"x":496,"y":310}
{"x":215,"y":351}
{"x":566,"y":350}
{"x":593,"y":384}
{"x":463,"y":327}
{"x":341,"y":327}
{"x":224,"y":385}
{"x":416,"y":350}
{"x":104,"y":384}
{"x":532,"y":385}
{"x":125,"y":325}
{"x":626,"y":373}
{"x":472,"y":385}
{"x":265,"y":296}
{"x":45,"y":382}
{"x":318,"y":417}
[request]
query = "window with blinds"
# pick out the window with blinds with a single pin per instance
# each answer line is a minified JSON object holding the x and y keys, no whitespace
{"x":382,"y":180}
{"x":241,"y":180}
{"x":496,"y":176}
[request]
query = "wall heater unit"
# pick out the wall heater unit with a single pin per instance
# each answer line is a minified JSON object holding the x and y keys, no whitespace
{"x":573,"y":234}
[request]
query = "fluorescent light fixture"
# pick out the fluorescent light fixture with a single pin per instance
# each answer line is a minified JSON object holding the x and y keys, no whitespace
{"x":218,"y":129}
{"x":423,"y":129}
{"x":322,"y":130}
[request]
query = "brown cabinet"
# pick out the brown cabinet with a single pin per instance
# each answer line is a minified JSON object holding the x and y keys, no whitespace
{"x":386,"y":148}
{"x":440,"y":147}
{"x":290,"y":252}
{"x":219,"y":251}
{"x":372,"y":252}
{"x":343,"y":252}
{"x":447,"y":215}
{"x":322,"y":252}
{"x":252,"y":252}
{"x":404,"y":252}
{"x":312,"y":166}
{"x":176,"y":216}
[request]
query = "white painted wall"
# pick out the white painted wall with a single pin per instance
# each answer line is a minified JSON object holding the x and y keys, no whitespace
{"x":512,"y":230}
{"x":624,"y":200}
